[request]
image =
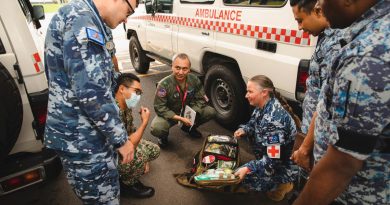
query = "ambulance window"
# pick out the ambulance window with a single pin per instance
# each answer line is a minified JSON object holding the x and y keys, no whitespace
{"x":197,"y":1}
{"x":262,"y":3}
{"x":2,"y":49}
{"x":164,"y":6}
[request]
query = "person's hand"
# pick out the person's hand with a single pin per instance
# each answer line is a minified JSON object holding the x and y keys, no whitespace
{"x":127,"y":152}
{"x":147,"y":168}
{"x":186,"y":121}
{"x":302,"y":158}
{"x":145,"y":114}
{"x":242,"y":172}
{"x":239,"y":133}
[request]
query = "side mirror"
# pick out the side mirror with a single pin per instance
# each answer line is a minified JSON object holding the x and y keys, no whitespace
{"x":38,"y":13}
{"x":149,"y":7}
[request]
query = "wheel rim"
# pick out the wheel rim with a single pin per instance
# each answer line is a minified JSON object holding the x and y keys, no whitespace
{"x":134,"y":55}
{"x":222,"y":96}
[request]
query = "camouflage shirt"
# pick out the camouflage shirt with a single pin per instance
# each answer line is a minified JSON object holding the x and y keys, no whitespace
{"x":82,"y":115}
{"x":356,"y":99}
{"x":169,"y":95}
{"x":327,"y":44}
{"x":272,"y":120}
{"x":127,"y":119}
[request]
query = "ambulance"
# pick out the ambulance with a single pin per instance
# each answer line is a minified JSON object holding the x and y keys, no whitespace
{"x":228,"y":42}
{"x":23,"y":99}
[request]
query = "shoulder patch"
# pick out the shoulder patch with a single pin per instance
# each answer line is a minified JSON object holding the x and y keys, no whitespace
{"x":95,"y":36}
{"x":161,"y":92}
{"x":273,"y":139}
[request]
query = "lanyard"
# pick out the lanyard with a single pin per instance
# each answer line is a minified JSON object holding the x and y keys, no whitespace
{"x":109,"y":44}
{"x":183,"y":99}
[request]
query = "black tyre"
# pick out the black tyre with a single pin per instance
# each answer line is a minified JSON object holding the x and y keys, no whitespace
{"x":226,"y":91}
{"x":139,"y":60}
{"x":11,"y":112}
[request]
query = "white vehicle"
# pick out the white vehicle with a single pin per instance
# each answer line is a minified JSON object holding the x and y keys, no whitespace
{"x":228,"y":41}
{"x":23,"y":99}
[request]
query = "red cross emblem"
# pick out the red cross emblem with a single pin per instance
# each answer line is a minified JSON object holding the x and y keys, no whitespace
{"x":273,"y":151}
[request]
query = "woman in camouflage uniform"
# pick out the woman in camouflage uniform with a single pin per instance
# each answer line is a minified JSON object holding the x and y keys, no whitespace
{"x":271,"y":131}
{"x":127,"y":94}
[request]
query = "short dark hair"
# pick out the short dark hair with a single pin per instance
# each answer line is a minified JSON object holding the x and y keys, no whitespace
{"x":126,"y":79}
{"x":306,"y":5}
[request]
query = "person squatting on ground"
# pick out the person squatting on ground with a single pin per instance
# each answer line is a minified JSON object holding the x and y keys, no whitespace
{"x":83,"y":123}
{"x":128,"y":94}
{"x":310,"y":18}
{"x":271,"y":132}
{"x":173,"y":93}
{"x":354,"y":103}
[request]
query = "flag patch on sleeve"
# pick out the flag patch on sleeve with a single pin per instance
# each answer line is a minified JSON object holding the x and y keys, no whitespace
{"x":95,"y":36}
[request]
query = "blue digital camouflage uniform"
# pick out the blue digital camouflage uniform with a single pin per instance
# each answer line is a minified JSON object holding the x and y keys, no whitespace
{"x":356,"y":99}
{"x":267,"y":173}
{"x":83,"y":123}
{"x":326,"y":45}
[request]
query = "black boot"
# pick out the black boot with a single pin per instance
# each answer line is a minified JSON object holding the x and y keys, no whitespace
{"x":163,"y":142}
{"x":194,"y":133}
{"x":137,"y":190}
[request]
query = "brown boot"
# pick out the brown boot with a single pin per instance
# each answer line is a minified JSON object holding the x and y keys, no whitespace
{"x":279,"y":193}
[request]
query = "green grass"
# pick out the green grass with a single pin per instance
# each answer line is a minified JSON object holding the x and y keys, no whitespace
{"x":50,"y":8}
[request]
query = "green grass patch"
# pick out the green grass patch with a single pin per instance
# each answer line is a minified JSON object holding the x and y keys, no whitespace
{"x":50,"y":7}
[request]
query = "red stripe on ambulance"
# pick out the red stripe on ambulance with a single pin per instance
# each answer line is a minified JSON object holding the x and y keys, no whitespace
{"x":259,"y":32}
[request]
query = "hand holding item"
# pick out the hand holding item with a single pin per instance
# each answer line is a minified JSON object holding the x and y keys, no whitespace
{"x":242,"y":172}
{"x":186,"y":121}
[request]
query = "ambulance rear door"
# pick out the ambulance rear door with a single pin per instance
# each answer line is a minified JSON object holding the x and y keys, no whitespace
{"x":159,"y":29}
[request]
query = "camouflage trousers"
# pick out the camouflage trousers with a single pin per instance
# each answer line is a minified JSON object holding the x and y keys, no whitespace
{"x":94,"y":178}
{"x":160,"y":126}
{"x":146,"y":151}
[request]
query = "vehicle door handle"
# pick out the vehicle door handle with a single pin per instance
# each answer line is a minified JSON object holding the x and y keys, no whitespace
{"x":167,"y":26}
{"x":205,"y":33}
{"x":152,"y":24}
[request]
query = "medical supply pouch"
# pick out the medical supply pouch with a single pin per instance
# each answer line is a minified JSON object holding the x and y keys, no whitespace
{"x":214,"y":164}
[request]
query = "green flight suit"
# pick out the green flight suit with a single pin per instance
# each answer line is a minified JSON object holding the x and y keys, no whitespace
{"x":168,"y":103}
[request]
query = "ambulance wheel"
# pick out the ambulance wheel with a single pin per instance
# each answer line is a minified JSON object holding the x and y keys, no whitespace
{"x":11,"y":110}
{"x":139,"y":60}
{"x":226,"y":91}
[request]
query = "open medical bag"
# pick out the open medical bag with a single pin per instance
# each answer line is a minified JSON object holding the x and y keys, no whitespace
{"x":214,"y":165}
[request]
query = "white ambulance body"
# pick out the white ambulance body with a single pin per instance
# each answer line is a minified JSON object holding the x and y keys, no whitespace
{"x":228,"y":41}
{"x":23,"y":99}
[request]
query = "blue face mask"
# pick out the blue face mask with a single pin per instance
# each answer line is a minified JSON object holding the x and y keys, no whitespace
{"x":133,"y":100}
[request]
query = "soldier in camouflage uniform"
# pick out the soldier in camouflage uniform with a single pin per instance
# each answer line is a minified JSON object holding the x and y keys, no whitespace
{"x":271,"y":131}
{"x":173,"y":93}
{"x":127,"y":94}
{"x":309,"y":17}
{"x":354,"y":103}
{"x":83,"y":123}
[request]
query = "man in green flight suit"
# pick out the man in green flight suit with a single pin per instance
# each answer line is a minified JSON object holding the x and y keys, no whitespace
{"x":173,"y":93}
